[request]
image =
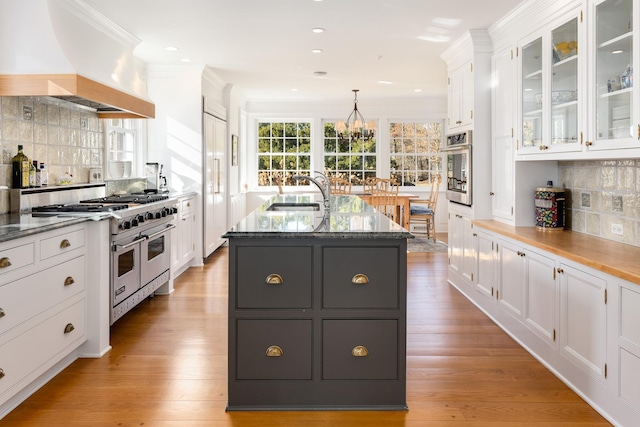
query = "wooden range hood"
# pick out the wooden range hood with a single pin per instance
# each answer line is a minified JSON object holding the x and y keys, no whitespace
{"x":107,"y":101}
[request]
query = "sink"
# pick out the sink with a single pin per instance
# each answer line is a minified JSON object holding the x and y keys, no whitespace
{"x":294,"y":207}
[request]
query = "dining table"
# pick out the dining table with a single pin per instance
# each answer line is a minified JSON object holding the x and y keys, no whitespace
{"x":403,"y":208}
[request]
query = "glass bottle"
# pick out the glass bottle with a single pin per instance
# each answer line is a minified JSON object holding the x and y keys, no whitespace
{"x":38,"y":174}
{"x":20,"y":175}
{"x":32,"y":173}
{"x":44,"y":176}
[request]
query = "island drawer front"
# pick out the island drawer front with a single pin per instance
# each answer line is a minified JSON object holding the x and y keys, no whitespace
{"x":378,"y":337}
{"x":291,"y":264}
{"x":26,"y":297}
{"x":16,"y":257}
{"x":255,"y":338}
{"x":342,"y":265}
{"x":62,"y":243}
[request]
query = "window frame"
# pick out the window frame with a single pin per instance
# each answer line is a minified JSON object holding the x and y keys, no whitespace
{"x":136,"y":129}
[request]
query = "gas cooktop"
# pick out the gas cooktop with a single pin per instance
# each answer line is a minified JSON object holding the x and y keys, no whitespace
{"x":78,"y":208}
{"x":132,"y":198}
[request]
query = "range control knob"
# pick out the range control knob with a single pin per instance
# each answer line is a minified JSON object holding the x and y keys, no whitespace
{"x":140,"y":219}
{"x":164,"y":212}
{"x":174,"y":210}
{"x":149,"y":215}
{"x":125,"y":225}
{"x":158,"y":215}
{"x":134,"y":222}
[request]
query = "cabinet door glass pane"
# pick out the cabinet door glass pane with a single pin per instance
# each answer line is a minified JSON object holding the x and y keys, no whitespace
{"x":532,"y":97}
{"x":614,"y":72}
{"x":564,"y":84}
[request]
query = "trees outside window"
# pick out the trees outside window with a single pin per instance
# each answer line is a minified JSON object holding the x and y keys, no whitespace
{"x":415,"y":157}
{"x":352,"y":160}
{"x":284,"y":150}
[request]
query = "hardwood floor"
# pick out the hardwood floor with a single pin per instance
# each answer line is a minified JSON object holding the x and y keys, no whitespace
{"x":168,"y":368}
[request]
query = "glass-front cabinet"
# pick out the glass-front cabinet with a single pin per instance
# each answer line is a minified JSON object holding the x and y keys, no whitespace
{"x":615,"y":108}
{"x":552,"y":74}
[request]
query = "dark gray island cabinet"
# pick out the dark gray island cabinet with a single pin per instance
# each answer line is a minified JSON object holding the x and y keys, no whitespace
{"x":317,"y":316}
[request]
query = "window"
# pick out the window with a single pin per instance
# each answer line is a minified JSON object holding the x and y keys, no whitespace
{"x":415,"y":152}
{"x":123,"y":138}
{"x":354,"y":161}
{"x":284,"y":150}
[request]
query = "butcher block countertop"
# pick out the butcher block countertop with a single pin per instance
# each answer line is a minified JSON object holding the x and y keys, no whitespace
{"x":617,"y":259}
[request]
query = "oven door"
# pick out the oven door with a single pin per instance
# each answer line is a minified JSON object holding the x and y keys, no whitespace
{"x":459,"y":175}
{"x":125,"y":267}
{"x":155,"y":253}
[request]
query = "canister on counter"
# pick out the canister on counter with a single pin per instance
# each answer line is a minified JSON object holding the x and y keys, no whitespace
{"x":549,"y":204}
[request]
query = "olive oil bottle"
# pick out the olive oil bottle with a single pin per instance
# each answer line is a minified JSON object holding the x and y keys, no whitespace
{"x":20,"y":164}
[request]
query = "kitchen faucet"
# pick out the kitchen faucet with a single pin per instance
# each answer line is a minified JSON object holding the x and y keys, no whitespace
{"x":324,"y":188}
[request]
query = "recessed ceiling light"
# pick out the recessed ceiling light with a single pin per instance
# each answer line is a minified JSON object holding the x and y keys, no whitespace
{"x":185,"y":60}
{"x":171,"y":48}
{"x":417,"y":90}
{"x":319,"y":73}
{"x":384,"y":82}
{"x":317,"y":51}
{"x":294,"y":90}
{"x":318,"y":30}
{"x":617,"y":51}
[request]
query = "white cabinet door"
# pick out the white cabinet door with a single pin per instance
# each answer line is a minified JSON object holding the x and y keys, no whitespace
{"x":215,"y":189}
{"x":511,"y":277}
{"x":541,"y":298}
{"x":462,"y":259}
{"x":486,"y":263}
{"x":468,"y":250}
{"x":583,"y":322}
{"x":461,"y":96}
{"x":505,"y":84}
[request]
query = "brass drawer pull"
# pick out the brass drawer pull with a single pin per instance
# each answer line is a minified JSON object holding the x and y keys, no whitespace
{"x":274,"y":351}
{"x":1,"y":373}
{"x":68,"y":328}
{"x":359,"y":351}
{"x":273,"y":279}
{"x":64,"y":244}
{"x":360,"y":279}
{"x":2,"y":313}
{"x":69,"y":281}
{"x":4,"y":262}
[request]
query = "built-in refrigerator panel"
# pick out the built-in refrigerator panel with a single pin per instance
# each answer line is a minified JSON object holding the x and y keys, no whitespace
{"x":214,"y":181}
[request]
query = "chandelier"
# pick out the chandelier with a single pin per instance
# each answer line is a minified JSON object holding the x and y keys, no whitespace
{"x":355,"y":128}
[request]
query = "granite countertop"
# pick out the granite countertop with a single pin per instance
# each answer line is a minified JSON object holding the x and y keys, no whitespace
{"x":617,"y":259}
{"x":348,"y":218}
{"x":17,"y":225}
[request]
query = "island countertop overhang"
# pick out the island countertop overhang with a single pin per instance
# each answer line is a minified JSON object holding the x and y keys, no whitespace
{"x":348,"y":218}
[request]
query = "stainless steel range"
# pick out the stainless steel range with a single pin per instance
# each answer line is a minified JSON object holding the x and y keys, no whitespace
{"x":140,"y":243}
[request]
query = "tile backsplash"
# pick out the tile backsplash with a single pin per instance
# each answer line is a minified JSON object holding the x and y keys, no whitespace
{"x":603,"y":198}
{"x":65,"y":137}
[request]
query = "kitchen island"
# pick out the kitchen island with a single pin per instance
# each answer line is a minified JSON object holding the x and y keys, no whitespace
{"x":317,"y":307}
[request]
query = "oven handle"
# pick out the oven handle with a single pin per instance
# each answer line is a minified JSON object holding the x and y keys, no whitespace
{"x":157,"y":233}
{"x":138,"y":240}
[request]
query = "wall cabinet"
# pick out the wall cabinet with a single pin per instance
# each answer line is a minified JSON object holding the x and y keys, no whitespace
{"x":460,"y":105}
{"x":43,"y":307}
{"x":317,"y":324}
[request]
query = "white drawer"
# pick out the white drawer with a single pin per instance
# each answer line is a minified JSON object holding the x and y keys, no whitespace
{"x":62,"y":243}
{"x":12,"y":259}
{"x":32,"y":353}
{"x":24,"y":298}
{"x":187,"y":206}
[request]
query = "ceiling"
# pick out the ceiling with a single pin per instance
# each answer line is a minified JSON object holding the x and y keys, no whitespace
{"x":385,"y":48}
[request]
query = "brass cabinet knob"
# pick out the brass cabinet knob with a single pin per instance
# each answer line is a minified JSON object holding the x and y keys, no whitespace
{"x":360,"y":279}
{"x":274,"y":279}
{"x":5,"y":262}
{"x":64,"y":244}
{"x":559,"y":270}
{"x":359,"y":351}
{"x":1,"y":373}
{"x":69,"y":281}
{"x":588,"y":143}
{"x":274,"y":351}
{"x":2,"y":313}
{"x":68,"y":328}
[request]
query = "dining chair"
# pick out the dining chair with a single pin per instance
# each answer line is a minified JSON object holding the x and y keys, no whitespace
{"x":376,"y":185}
{"x":423,"y":211}
{"x":340,"y":185}
{"x":386,"y":202}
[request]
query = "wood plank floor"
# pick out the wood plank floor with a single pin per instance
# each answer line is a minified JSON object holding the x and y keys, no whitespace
{"x":168,"y":368}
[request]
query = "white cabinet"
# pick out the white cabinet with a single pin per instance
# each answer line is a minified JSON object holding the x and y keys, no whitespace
{"x":628,"y":343}
{"x":43,"y":305}
{"x":486,"y":263}
{"x":461,"y":247}
{"x":460,"y":96}
{"x":183,"y":239}
{"x":503,"y":140}
{"x":511,"y":278}
{"x":541,"y":295}
{"x":215,"y":191}
{"x":583,"y":319}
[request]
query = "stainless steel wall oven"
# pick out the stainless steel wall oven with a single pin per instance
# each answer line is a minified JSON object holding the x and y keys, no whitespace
{"x":459,"y":184}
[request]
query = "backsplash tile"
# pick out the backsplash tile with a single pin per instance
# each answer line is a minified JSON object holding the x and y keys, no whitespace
{"x":65,"y":137}
{"x":603,"y":194}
